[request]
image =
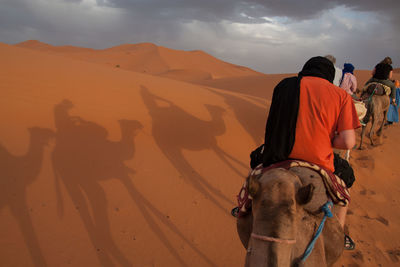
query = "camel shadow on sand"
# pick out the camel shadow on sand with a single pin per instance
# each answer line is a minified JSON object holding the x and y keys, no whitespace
{"x":82,"y":158}
{"x":175,"y":130}
{"x":17,"y":173}
{"x":252,"y":117}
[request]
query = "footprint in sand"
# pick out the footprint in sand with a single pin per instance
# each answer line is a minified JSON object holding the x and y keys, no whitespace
{"x":379,"y":219}
{"x":380,"y":198}
{"x":366,"y":162}
{"x":394,"y":255}
{"x":358,"y":256}
{"x":382,"y":220}
{"x":368,"y":192}
{"x":363,"y":192}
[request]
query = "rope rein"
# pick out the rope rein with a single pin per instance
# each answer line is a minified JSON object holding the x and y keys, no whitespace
{"x":373,"y":92}
{"x":326,"y":208}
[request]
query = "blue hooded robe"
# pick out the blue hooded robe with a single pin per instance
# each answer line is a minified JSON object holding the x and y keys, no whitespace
{"x":393,"y":112}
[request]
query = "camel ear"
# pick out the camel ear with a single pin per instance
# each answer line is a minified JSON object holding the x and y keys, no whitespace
{"x":304,"y":194}
{"x":253,"y":186}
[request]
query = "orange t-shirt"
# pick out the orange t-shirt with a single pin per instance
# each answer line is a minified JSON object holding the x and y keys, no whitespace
{"x":323,"y":110}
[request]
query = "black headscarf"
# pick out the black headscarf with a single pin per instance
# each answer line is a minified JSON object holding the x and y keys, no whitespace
{"x":319,"y":67}
{"x":382,"y":71}
{"x":280,"y":130}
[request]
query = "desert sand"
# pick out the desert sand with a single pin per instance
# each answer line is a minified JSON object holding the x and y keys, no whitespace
{"x":134,"y":155}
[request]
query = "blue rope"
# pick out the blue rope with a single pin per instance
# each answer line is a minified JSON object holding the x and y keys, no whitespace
{"x":327,"y":211}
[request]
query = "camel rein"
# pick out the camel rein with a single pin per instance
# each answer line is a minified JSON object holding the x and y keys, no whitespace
{"x":326,"y":208}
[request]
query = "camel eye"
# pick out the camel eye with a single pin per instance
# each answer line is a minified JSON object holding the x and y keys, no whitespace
{"x":304,"y":194}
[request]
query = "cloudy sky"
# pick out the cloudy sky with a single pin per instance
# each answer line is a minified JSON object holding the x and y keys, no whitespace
{"x":271,"y":36}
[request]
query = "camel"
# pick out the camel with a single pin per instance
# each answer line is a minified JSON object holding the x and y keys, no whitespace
{"x":285,"y":215}
{"x":17,"y":173}
{"x":377,"y":106}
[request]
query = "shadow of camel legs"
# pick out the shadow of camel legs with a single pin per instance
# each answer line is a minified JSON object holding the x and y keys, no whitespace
{"x":175,"y":130}
{"x":146,"y":208}
{"x":16,"y":174}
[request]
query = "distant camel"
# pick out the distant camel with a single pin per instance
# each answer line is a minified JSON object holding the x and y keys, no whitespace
{"x":377,"y":108}
{"x":82,"y":157}
{"x":17,"y":172}
{"x":284,"y":218}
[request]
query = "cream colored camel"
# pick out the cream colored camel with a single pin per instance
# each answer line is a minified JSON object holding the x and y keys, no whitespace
{"x":285,"y":215}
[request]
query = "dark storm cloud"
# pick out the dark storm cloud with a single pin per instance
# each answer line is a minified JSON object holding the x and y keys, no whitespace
{"x":297,"y":29}
{"x":215,"y":10}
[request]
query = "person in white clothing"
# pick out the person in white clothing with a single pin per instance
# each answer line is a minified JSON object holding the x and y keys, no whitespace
{"x":338,"y":71}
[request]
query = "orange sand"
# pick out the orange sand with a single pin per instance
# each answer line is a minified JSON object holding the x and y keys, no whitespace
{"x":78,"y":195}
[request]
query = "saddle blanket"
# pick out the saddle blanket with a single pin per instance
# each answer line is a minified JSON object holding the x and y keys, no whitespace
{"x":335,"y":187}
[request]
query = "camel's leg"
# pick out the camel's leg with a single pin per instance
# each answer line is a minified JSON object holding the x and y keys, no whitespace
{"x":362,"y":137}
{"x":371,"y":132}
{"x":379,"y":132}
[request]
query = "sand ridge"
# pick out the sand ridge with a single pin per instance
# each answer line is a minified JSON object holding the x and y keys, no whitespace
{"x":151,"y":59}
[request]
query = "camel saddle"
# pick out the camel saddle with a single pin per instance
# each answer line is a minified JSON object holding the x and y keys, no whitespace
{"x":335,"y":187}
{"x":374,"y":88}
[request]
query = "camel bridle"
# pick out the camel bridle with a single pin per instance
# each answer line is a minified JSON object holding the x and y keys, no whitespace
{"x":273,"y":239}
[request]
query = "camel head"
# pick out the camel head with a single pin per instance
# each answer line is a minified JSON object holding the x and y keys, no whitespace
{"x":41,"y":136}
{"x":278,"y":196}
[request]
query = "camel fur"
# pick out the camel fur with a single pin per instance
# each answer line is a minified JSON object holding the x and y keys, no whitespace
{"x":377,"y":106}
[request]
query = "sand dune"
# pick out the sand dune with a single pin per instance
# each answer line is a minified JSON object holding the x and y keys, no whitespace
{"x":105,"y":166}
{"x":151,"y":59}
{"x":187,"y":75}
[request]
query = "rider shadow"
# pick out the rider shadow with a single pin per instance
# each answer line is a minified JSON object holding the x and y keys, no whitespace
{"x":175,"y":130}
{"x":83,"y":156}
{"x":251,"y":116}
{"x":17,"y":173}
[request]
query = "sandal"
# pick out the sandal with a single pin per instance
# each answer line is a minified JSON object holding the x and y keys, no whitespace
{"x":349,"y":243}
